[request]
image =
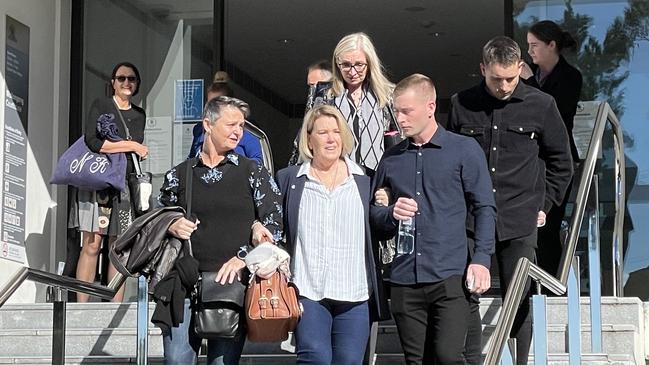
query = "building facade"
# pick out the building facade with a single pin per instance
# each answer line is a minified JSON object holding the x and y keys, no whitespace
{"x":57,"y":58}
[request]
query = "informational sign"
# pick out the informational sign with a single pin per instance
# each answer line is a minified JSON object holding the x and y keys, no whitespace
{"x":584,"y":123}
{"x":14,"y":164}
{"x":158,"y":138}
{"x":183,"y":137}
{"x":188,"y":104}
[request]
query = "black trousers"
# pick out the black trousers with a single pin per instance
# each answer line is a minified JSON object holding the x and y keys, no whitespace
{"x":550,"y":246}
{"x":432,"y":320}
{"x":508,"y":253}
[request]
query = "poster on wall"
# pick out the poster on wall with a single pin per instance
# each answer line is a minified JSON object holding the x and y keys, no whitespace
{"x":157,"y":136}
{"x":188,"y":100}
{"x":188,"y":110}
{"x":14,"y":164}
{"x":584,"y":123}
{"x":183,"y":137}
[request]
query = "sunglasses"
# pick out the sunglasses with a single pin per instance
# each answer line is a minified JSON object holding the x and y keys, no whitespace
{"x":124,"y":78}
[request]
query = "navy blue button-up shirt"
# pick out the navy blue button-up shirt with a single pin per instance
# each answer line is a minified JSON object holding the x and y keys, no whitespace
{"x":448,"y":178}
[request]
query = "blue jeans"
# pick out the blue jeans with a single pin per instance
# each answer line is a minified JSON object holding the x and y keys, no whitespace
{"x":332,"y":332}
{"x":181,"y":346}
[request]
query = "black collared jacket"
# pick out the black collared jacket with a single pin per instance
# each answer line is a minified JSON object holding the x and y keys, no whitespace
{"x":527,"y":151}
{"x":564,"y":84}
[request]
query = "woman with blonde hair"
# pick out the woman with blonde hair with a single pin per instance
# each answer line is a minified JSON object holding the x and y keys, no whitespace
{"x":363,"y":94}
{"x":326,"y":203}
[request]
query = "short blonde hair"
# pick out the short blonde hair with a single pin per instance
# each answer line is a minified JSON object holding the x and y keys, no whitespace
{"x":319,"y":111}
{"x":378,"y":82}
{"x":423,"y":83}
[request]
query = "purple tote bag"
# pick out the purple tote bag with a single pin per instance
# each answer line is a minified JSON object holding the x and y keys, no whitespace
{"x":80,"y":167}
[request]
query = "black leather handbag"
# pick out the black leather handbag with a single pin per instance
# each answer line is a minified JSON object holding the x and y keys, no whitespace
{"x":218,"y":309}
{"x":139,"y":183}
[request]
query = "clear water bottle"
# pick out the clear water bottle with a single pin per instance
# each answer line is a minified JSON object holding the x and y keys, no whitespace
{"x":406,"y":237}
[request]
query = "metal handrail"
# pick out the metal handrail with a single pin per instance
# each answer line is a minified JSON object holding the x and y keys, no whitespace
{"x":60,"y":284}
{"x":266,"y":152}
{"x":604,"y":114}
{"x":64,"y":282}
{"x":525,"y":268}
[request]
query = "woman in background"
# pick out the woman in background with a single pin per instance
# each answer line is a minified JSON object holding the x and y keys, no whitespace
{"x":109,"y":212}
{"x":554,"y":75}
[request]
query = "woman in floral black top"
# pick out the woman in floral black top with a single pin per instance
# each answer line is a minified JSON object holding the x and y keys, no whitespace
{"x":231,"y":195}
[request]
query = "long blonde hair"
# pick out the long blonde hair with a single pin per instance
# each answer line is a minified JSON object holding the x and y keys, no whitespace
{"x":378,"y":82}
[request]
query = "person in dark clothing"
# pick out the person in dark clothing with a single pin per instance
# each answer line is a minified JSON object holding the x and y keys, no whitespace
{"x":231,"y":196}
{"x":526,"y":145}
{"x":437,"y":178}
{"x":554,"y":75}
{"x":109,"y":212}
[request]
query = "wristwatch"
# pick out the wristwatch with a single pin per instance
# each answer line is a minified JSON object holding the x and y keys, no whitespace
{"x":242,"y":253}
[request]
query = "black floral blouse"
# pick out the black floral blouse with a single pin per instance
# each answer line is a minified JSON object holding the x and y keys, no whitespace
{"x":226,"y":199}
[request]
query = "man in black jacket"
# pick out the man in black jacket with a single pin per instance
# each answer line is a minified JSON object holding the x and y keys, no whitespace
{"x":527,"y":150}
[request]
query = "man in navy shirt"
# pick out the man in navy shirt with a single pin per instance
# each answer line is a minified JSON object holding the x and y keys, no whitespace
{"x":437,"y":178}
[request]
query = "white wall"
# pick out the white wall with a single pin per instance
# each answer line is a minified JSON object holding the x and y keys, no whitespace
{"x":49,"y":51}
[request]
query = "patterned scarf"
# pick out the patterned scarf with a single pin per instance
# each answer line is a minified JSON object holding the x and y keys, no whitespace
{"x":368,"y":125}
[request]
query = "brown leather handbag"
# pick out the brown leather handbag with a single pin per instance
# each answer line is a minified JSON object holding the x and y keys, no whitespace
{"x":272,"y":308}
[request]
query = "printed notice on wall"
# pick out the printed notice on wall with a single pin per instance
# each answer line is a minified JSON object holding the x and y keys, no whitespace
{"x":188,"y":101}
{"x":584,"y":123}
{"x":157,"y":136}
{"x":14,"y":167}
{"x":188,"y":110}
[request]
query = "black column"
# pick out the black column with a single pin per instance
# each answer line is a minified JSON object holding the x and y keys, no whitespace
{"x":219,"y":35}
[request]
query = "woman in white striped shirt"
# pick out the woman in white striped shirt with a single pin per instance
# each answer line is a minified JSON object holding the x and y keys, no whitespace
{"x":326,"y":207}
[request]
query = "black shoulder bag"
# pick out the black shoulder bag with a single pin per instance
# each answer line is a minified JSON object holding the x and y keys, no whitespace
{"x":393,"y":134}
{"x":217,"y":309}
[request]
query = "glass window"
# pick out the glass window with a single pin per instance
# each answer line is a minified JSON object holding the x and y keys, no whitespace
{"x":168,"y":42}
{"x":613,"y":57}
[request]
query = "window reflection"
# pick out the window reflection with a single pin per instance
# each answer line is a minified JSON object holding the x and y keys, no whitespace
{"x":614,"y":60}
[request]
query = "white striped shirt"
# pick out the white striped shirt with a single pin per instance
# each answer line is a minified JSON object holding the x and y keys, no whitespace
{"x":329,"y":260}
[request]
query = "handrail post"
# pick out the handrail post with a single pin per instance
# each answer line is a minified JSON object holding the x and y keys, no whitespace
{"x":56,"y":296}
{"x":142,"y":321}
{"x":594,"y":272}
{"x":509,"y":353}
{"x":618,"y":228}
{"x":540,"y":333}
{"x":117,"y":282}
{"x":574,"y":314}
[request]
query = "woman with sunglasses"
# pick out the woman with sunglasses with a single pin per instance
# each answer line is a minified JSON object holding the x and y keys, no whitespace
{"x":107,"y":213}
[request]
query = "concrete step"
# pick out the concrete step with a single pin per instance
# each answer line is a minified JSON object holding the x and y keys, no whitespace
{"x":108,"y":329}
{"x":553,"y":359}
{"x":617,"y":339}
{"x":113,"y":315}
{"x":151,"y":360}
{"x":78,"y":315}
{"x":382,"y":359}
{"x":614,"y":310}
{"x":79,"y":342}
